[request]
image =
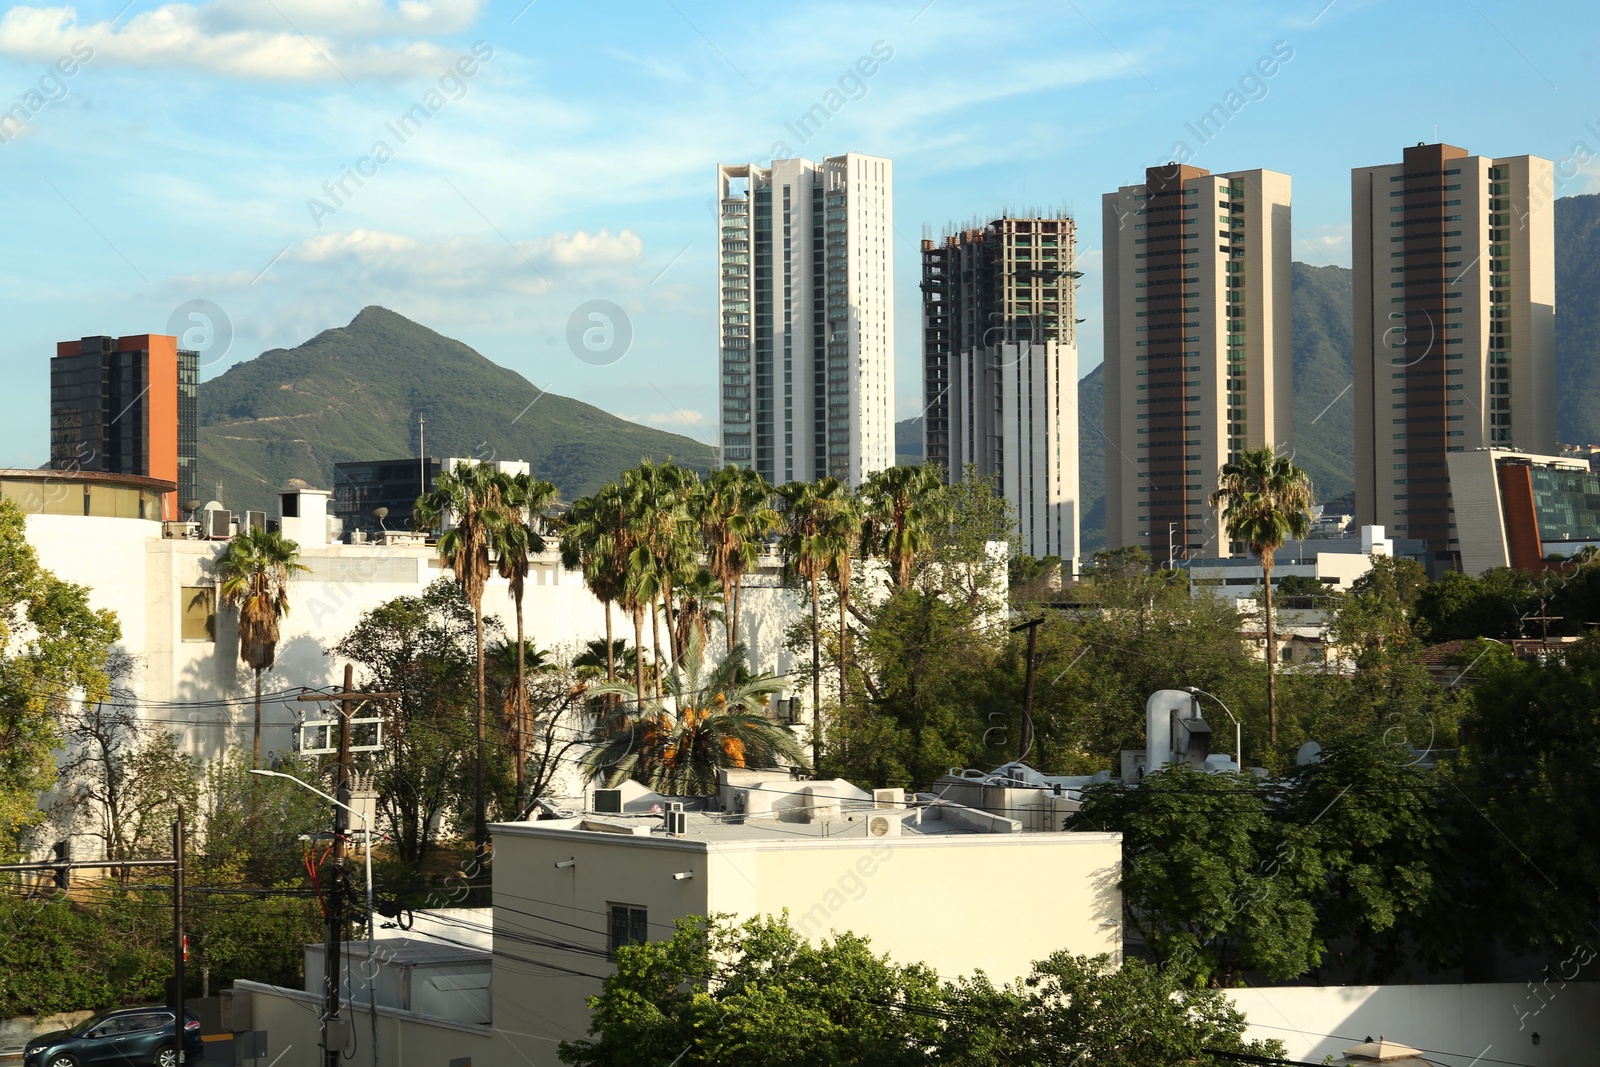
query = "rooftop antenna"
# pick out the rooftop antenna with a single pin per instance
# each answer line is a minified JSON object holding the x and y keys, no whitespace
{"x":422,"y":452}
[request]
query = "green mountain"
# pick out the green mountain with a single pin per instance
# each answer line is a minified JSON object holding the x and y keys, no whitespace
{"x":354,"y":393}
{"x":1324,"y":376}
{"x":1577,"y":226}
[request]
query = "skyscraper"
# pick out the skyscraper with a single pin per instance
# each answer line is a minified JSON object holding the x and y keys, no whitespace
{"x":127,"y":405}
{"x":1000,"y":370}
{"x":1198,"y":350}
{"x":805,"y":300}
{"x":1454,"y":338}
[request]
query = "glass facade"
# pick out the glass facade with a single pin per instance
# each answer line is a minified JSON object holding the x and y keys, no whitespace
{"x":47,"y":495}
{"x":1567,"y":504}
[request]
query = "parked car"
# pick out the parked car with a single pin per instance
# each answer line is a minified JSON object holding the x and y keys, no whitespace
{"x":122,"y":1036}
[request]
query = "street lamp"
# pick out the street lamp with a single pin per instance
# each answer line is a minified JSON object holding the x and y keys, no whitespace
{"x":1238,"y":744}
{"x":372,"y":985}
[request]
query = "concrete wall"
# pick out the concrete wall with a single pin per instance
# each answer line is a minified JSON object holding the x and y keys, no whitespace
{"x":294,"y":1034}
{"x":957,"y":903}
{"x":1455,"y":1025}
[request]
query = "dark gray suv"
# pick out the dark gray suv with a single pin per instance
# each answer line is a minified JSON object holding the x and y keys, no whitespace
{"x":123,"y":1037}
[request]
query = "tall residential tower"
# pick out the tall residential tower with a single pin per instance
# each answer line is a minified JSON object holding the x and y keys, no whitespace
{"x":1198,"y":351}
{"x":1454,"y":335}
{"x":1000,"y":370}
{"x":127,"y":405}
{"x":805,"y":299}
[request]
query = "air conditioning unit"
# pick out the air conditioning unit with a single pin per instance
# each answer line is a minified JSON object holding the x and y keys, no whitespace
{"x":255,"y":520}
{"x":883,"y":826}
{"x":888,"y":798}
{"x":219,"y":525}
{"x":608,"y":801}
{"x":677,"y":822}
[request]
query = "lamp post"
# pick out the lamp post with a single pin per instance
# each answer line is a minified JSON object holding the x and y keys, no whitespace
{"x":1172,"y":528}
{"x":1238,"y":744}
{"x":372,"y":987}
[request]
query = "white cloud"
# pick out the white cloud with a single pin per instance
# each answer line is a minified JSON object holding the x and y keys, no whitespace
{"x":677,"y":418}
{"x":296,"y":40}
{"x":583,"y":249}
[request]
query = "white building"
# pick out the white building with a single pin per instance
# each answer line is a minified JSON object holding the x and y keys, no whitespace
{"x":954,"y":886}
{"x":806,"y":304}
{"x":1198,"y":352}
{"x":184,"y":647}
{"x":1000,"y":370}
{"x":1454,"y":340}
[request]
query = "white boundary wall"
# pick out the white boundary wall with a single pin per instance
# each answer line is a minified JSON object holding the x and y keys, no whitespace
{"x":1455,"y":1025}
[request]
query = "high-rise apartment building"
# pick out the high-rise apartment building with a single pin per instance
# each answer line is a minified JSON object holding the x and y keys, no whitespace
{"x":127,"y":405}
{"x":1000,"y":370}
{"x":805,"y":299}
{"x":1454,"y":339}
{"x":1198,"y":349}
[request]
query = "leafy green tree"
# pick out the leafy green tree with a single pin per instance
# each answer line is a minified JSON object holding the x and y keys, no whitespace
{"x":470,"y":498}
{"x":1265,"y":501}
{"x":759,"y":994}
{"x":1527,"y":757}
{"x":257,"y":830}
{"x":424,"y":649}
{"x":1126,"y":633}
{"x":714,"y":720}
{"x":664,"y":541}
{"x":1211,"y":884}
{"x":1077,"y":1010}
{"x":255,"y":569}
{"x":1376,"y":813}
{"x":54,"y":649}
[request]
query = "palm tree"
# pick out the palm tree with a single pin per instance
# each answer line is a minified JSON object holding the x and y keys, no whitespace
{"x":735,"y":513}
{"x":815,"y":533}
{"x":701,"y":594}
{"x":599,"y":538}
{"x":660,"y":533}
{"x":583,"y":544}
{"x":841,"y":537}
{"x":470,"y":495}
{"x":903,"y":506}
{"x":707,"y":721}
{"x":1265,"y":500}
{"x":255,"y":568}
{"x":515,"y":536}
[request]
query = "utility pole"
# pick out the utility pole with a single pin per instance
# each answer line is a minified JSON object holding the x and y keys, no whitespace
{"x":1026,"y":743}
{"x":180,"y":947}
{"x":422,"y":453}
{"x":335,"y":930}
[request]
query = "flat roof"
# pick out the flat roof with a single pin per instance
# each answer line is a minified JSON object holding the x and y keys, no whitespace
{"x":47,"y":474}
{"x":712,"y":829}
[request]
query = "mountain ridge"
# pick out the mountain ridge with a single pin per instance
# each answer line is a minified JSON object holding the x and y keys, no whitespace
{"x":354,"y":392}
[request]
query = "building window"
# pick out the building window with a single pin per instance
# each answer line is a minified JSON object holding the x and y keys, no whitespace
{"x":629,"y":926}
{"x":199,"y":613}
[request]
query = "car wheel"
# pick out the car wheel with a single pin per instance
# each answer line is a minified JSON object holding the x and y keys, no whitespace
{"x":64,"y":1060}
{"x":166,"y":1056}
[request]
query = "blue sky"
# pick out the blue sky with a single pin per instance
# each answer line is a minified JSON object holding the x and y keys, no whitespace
{"x":179,"y":158}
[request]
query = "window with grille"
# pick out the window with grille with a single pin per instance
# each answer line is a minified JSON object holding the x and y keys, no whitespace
{"x":629,"y":926}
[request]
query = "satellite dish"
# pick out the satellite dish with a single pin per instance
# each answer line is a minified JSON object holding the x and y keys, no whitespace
{"x":380,"y":514}
{"x":1309,"y":753}
{"x":191,"y":505}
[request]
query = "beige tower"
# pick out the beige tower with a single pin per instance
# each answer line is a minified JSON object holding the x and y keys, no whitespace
{"x":1198,"y":349}
{"x":1454,"y":338}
